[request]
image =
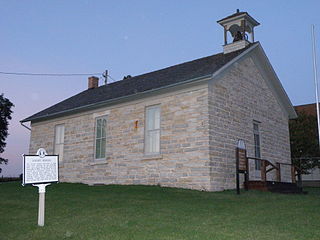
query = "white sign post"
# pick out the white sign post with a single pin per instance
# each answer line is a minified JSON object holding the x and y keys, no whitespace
{"x":40,"y":170}
{"x":42,"y":196}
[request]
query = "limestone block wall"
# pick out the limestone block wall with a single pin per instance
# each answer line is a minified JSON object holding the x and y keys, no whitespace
{"x":184,"y":159}
{"x":200,"y":126}
{"x":240,"y":97}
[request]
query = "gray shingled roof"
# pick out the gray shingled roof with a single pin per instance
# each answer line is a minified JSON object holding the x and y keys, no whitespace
{"x":150,"y":81}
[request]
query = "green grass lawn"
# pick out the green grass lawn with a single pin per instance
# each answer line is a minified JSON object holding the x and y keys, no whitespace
{"x":77,"y":211}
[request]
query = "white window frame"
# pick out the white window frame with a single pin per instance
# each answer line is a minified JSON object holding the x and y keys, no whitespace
{"x":147,"y":150}
{"x":100,"y":157}
{"x":56,"y":147}
{"x":257,"y":147}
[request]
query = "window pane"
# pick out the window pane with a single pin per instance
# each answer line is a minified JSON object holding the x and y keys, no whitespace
{"x":56,"y":150}
{"x":257,"y":150}
{"x":255,"y":136}
{"x":101,"y":132}
{"x":62,"y":134}
{"x":58,"y":141}
{"x":157,"y":118}
{"x":150,"y":119}
{"x":258,"y":164}
{"x":61,"y":152}
{"x":150,"y":143}
{"x":154,"y":141}
{"x":147,"y":144}
{"x":98,"y":128}
{"x":258,"y":140}
{"x":57,"y":133}
{"x":103,"y":148}
{"x":98,"y":148}
{"x":257,"y":145}
{"x":59,"y":137}
{"x":103,"y":127}
{"x":152,"y":134}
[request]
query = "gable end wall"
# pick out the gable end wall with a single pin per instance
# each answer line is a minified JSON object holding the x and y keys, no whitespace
{"x":238,"y":98}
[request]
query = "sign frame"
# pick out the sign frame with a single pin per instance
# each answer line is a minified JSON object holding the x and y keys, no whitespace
{"x":42,"y":157}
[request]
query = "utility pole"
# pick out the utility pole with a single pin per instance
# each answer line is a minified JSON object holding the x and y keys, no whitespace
{"x":105,"y":75}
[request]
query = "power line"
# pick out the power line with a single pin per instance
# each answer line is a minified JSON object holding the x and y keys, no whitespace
{"x":57,"y":74}
{"x":112,"y":78}
{"x":49,"y":74}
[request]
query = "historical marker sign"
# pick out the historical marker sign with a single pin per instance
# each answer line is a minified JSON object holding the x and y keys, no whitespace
{"x":40,"y":168}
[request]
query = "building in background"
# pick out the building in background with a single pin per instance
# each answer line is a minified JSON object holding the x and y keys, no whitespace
{"x":312,"y":179}
{"x":309,"y":109}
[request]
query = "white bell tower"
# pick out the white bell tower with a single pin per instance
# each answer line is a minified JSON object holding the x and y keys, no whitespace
{"x":240,"y":25}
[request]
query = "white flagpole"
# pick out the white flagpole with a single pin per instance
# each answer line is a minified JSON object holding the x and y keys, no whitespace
{"x":315,"y":77}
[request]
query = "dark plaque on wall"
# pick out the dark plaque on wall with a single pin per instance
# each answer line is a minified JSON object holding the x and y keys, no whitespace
{"x":242,"y":154}
{"x":241,"y":164}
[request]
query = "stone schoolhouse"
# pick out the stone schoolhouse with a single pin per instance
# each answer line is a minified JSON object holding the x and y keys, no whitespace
{"x":177,"y":126}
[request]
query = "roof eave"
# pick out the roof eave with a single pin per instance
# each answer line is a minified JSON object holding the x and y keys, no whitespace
{"x":228,"y":19}
{"x":283,"y":95}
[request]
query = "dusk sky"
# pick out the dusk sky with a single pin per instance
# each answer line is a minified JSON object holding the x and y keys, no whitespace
{"x":135,"y":37}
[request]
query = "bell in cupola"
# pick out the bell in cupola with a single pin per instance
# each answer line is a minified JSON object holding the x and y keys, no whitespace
{"x":238,"y":36}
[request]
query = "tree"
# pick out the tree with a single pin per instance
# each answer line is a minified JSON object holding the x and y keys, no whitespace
{"x":304,"y":142}
{"x":5,"y":116}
